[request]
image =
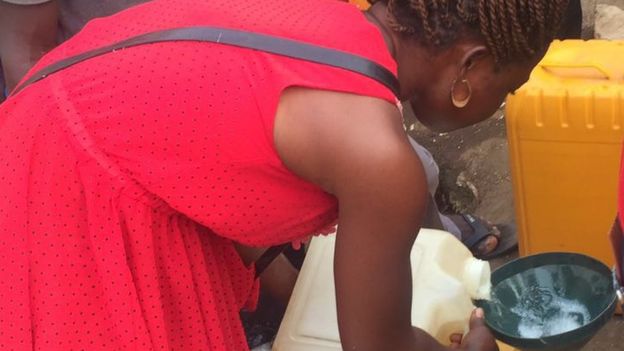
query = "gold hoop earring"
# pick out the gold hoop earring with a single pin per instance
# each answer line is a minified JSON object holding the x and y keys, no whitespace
{"x":461,"y":103}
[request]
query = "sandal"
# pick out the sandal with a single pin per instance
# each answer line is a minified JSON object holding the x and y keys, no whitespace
{"x":475,"y":230}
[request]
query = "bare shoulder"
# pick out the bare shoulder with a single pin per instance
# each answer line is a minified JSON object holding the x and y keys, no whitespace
{"x":318,"y":107}
{"x":325,"y":136}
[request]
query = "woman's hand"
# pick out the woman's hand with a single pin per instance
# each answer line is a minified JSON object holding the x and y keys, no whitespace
{"x":478,"y":339}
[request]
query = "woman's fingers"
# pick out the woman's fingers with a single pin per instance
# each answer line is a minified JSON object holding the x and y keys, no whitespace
{"x":456,"y":340}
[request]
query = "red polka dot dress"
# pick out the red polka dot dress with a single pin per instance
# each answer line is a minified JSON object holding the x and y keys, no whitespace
{"x":126,"y":179}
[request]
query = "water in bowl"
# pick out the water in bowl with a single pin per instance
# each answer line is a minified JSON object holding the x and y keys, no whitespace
{"x":543,"y":312}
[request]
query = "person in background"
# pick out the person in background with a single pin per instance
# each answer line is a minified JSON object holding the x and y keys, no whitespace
{"x":148,"y":167}
{"x":616,"y":237}
{"x":30,"y":28}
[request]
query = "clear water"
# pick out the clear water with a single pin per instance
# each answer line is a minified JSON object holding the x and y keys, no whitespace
{"x":544,"y":313}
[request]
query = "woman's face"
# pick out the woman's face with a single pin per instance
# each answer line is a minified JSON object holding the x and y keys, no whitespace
{"x":433,"y":105}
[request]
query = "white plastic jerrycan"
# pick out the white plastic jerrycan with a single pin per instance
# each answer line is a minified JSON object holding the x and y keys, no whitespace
{"x":446,"y":277}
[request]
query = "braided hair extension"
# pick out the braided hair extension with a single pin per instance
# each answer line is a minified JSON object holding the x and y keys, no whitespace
{"x":513,"y":30}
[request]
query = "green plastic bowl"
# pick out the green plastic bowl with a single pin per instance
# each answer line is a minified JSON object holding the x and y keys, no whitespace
{"x":552,"y":301}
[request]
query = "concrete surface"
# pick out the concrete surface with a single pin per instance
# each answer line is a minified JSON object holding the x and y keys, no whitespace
{"x":474,"y":168}
{"x":609,"y":22}
{"x":589,"y":14}
{"x":619,"y":3}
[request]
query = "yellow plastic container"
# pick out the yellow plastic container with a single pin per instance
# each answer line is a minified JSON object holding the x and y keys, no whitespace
{"x":363,"y":4}
{"x":503,"y":347}
{"x":565,"y":130}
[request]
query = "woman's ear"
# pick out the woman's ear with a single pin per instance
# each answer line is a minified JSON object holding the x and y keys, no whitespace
{"x":472,"y":57}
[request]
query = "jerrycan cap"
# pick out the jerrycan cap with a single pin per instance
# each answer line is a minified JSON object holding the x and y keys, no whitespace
{"x":477,"y":279}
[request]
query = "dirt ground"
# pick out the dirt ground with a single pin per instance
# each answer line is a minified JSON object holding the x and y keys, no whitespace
{"x":475,"y":178}
{"x":474,"y":171}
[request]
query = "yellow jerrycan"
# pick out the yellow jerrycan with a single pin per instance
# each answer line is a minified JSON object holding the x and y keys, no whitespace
{"x":565,"y":131}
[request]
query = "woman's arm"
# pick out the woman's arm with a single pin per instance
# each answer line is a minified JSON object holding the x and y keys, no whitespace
{"x":382,"y":199}
{"x":355,"y":147}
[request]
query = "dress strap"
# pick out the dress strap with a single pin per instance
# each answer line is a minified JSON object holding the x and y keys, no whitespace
{"x":244,"y":39}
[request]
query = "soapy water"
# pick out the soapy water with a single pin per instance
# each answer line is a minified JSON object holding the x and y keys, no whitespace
{"x":544,"y":313}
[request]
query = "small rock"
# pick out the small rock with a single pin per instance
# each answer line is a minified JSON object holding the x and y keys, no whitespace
{"x":609,"y":22}
{"x":464,"y":182}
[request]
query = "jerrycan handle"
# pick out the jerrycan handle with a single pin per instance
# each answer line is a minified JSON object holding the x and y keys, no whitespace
{"x":588,"y":70}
